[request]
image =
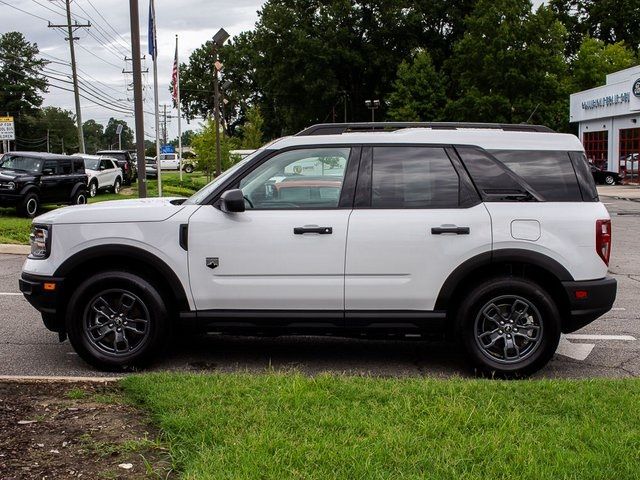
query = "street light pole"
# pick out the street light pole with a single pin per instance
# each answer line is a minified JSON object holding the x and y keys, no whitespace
{"x":372,"y":105}
{"x":218,"y":41}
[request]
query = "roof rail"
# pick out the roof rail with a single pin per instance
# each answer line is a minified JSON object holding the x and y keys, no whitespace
{"x":340,"y":128}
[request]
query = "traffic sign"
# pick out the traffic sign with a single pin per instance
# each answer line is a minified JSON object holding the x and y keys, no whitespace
{"x":167,"y":149}
{"x":7,"y":129}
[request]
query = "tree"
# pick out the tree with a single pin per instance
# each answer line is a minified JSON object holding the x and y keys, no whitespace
{"x":93,"y":136}
{"x":611,"y":21}
{"x":510,"y":66}
{"x":111,"y":137}
{"x":595,"y":60}
{"x":63,"y":132}
{"x":204,"y":145}
{"x":187,"y":138}
{"x":22,"y":80}
{"x":418,"y":92}
{"x":252,"y":135}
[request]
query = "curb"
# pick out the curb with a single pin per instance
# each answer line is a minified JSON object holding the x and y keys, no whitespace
{"x":13,"y":249}
{"x":51,"y":379}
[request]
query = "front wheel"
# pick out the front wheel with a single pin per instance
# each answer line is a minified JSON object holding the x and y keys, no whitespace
{"x":116,"y":185}
{"x":510,"y":327}
{"x":116,"y":320}
{"x":29,"y":206}
{"x":188,"y":168}
{"x":93,"y":189}
{"x":609,"y":180}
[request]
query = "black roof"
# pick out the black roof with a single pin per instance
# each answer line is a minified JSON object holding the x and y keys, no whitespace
{"x":49,"y":156}
{"x":340,"y":128}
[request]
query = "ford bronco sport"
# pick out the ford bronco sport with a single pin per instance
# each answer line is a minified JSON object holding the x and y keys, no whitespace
{"x":490,"y":234}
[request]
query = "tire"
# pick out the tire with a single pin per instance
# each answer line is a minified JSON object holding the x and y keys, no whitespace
{"x":108,"y":340}
{"x":609,"y":180}
{"x":93,"y":188}
{"x":188,"y":168}
{"x":80,"y":197}
{"x":116,"y":185}
{"x":29,"y":206}
{"x":526,"y":339}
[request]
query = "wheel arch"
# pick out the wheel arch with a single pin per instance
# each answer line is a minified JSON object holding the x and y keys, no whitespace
{"x":542,"y":269}
{"x":130,"y":259}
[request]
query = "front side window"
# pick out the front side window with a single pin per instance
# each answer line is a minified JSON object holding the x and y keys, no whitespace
{"x":308,"y":178}
{"x":91,"y":163}
{"x":50,"y":167}
{"x":413,"y":177}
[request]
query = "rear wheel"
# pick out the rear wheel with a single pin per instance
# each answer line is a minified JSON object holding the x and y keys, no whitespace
{"x":510,"y":327}
{"x":609,"y":180}
{"x":117,"y":320}
{"x":188,"y":168}
{"x":79,"y":198}
{"x":29,"y":206}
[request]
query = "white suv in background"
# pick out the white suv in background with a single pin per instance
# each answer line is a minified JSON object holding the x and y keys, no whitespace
{"x":103,"y":172}
{"x":492,"y":235}
{"x":171,"y":161}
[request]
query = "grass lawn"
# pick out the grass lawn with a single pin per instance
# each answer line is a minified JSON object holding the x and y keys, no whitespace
{"x":279,"y":426}
{"x":15,"y":229}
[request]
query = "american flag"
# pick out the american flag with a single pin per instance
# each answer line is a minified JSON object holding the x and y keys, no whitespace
{"x":174,"y":79}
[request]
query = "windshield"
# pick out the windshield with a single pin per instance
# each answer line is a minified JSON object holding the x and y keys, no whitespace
{"x":91,"y":163}
{"x":205,"y":191}
{"x":22,"y":164}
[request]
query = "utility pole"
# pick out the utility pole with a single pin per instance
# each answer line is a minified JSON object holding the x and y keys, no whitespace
{"x":164,"y":128}
{"x":48,"y":147}
{"x":137,"y":96}
{"x":71,"y":28}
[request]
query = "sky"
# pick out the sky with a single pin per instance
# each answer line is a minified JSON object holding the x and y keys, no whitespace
{"x":101,"y":49}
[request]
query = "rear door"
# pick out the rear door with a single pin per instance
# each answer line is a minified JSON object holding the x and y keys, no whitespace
{"x":52,"y":187}
{"x":416,"y":219}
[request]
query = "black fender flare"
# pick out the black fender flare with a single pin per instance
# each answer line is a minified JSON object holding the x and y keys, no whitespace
{"x":495,"y":257}
{"x":30,"y":188}
{"x":77,"y":187}
{"x":132,"y":253}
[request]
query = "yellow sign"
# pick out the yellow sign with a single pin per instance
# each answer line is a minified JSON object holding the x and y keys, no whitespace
{"x":6,"y":119}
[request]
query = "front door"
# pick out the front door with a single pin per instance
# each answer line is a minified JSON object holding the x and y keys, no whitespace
{"x":418,"y":220}
{"x":52,"y":186}
{"x":287,"y":250}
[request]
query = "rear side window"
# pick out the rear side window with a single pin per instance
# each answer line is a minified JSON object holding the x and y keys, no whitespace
{"x":550,"y":173}
{"x":413,"y":177}
{"x":493,"y":180}
{"x":78,"y":165}
{"x":64,"y":167}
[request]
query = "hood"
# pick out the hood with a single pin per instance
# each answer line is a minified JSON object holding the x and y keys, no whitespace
{"x":13,"y":175}
{"x":114,"y":211}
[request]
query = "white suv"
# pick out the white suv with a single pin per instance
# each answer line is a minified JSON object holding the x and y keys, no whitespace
{"x":490,"y":234}
{"x":103,"y":172}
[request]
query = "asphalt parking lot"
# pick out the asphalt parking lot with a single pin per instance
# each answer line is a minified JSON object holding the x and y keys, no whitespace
{"x":609,"y":347}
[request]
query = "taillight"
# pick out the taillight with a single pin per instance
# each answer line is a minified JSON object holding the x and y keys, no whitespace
{"x":603,"y":239}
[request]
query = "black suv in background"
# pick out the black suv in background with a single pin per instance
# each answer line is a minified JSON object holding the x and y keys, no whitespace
{"x":29,"y":179}
{"x":125,"y":162}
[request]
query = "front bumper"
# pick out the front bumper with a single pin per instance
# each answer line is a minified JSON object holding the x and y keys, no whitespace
{"x":588,"y":300}
{"x":45,"y":295}
{"x":10,"y":199}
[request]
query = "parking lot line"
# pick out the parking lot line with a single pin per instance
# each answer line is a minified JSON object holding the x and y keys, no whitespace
{"x":580,"y":336}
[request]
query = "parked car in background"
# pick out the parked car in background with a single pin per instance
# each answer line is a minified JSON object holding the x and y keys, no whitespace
{"x":151,"y":170}
{"x":629,"y":166}
{"x":171,"y":161}
{"x":125,"y":162}
{"x":29,"y":179}
{"x":606,"y":177}
{"x":103,"y":173}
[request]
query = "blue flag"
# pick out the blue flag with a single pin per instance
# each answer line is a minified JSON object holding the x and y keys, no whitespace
{"x":153,"y":48}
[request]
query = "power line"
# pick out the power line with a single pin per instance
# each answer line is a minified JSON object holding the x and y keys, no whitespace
{"x":23,"y":11}
{"x":128,"y":44}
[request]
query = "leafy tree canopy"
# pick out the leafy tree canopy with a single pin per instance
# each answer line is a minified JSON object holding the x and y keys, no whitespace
{"x":595,"y":60}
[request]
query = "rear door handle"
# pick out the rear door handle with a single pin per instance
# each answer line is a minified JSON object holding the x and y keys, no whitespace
{"x":452,"y":229}
{"x":313,"y":229}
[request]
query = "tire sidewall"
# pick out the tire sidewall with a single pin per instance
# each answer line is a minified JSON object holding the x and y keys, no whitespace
{"x":158,"y":323}
{"x":492,"y":288}
{"x":116,"y":185}
{"x":93,"y":189}
{"x":609,"y":180}
{"x":30,"y":197}
{"x":80,"y":194}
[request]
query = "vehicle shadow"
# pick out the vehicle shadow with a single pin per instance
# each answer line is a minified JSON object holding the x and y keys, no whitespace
{"x":315,"y":355}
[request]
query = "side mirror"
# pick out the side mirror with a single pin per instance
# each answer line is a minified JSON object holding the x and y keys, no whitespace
{"x":232,"y":201}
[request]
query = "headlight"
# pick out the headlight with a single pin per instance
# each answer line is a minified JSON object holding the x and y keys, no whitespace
{"x":11,"y":186}
{"x":40,"y":240}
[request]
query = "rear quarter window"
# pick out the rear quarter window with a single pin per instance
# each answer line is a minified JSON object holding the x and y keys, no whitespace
{"x":550,"y":173}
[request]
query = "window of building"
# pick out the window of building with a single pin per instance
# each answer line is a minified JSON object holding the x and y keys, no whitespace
{"x":629,"y":154}
{"x":413,"y":177}
{"x":596,"y":146}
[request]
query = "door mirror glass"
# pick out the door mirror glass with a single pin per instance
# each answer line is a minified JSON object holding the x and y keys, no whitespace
{"x":232,"y":201}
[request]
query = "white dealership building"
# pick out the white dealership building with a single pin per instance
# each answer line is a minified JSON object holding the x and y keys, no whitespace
{"x":608,"y":119}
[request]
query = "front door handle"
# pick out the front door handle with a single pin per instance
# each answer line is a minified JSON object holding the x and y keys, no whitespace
{"x":313,"y":229}
{"x":452,"y":229}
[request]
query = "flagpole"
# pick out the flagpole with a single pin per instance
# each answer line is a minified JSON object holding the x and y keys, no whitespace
{"x":177,"y":86}
{"x":155,"y":94}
